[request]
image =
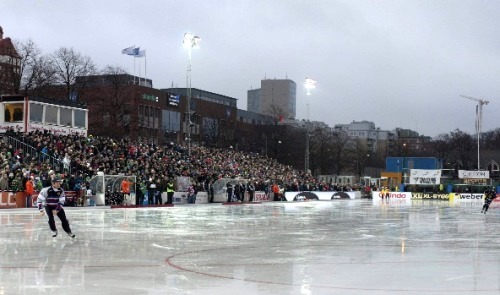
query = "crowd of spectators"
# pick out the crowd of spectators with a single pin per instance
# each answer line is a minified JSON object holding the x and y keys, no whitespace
{"x":83,"y":156}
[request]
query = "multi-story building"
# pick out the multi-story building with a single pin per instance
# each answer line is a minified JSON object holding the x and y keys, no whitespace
{"x":213,"y":116}
{"x":120,"y":107}
{"x":376,"y":140}
{"x":10,"y":66}
{"x":412,"y":142}
{"x":253,"y":100}
{"x":276,"y":97}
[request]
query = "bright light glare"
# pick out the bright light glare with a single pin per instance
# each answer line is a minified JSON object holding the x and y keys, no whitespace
{"x":191,"y":41}
{"x":309,"y":84}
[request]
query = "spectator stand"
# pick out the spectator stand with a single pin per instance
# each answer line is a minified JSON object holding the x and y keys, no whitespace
{"x":106,"y":190}
{"x":32,"y":154}
{"x":220,"y":190}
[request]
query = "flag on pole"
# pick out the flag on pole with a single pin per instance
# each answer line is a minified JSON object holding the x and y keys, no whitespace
{"x":140,"y":53}
{"x":129,"y":50}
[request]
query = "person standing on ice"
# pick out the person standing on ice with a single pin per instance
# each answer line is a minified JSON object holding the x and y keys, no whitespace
{"x":50,"y":201}
{"x":489,"y":195}
{"x":229,"y":190}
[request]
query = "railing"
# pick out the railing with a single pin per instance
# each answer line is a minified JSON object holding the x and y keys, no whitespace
{"x":55,"y":164}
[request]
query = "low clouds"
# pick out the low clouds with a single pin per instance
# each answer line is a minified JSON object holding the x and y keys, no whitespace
{"x":396,"y":63}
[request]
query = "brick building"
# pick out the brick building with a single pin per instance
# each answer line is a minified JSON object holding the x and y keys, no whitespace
{"x":120,"y":108}
{"x":10,"y":66}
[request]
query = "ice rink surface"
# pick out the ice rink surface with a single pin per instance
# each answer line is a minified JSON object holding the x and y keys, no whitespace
{"x":317,"y":247}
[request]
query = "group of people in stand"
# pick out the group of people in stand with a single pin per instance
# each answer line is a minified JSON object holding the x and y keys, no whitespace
{"x":236,"y":191}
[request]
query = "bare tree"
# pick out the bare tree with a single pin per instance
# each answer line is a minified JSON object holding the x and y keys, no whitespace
{"x":491,"y":139}
{"x":442,"y":147}
{"x":111,"y":114}
{"x":226,"y":133}
{"x":342,"y":149}
{"x":115,"y":79}
{"x":463,"y":146}
{"x":322,"y":148}
{"x":211,"y":132}
{"x":36,"y":70}
{"x":360,"y":157}
{"x":69,"y":65}
{"x":276,"y":114}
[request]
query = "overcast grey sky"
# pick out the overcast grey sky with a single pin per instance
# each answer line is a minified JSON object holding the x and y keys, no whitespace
{"x":397,"y":63}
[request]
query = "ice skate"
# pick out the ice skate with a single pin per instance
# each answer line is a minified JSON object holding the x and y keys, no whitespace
{"x":54,"y":233}
{"x":71,"y":235}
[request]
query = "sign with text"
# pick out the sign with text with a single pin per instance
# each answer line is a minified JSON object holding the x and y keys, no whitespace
{"x":473,"y":174}
{"x":261,"y":197}
{"x":476,"y":181}
{"x":173,"y":100}
{"x":429,"y":196}
{"x":424,"y":176}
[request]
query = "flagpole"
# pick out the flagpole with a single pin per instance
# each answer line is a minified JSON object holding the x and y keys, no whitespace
{"x":134,"y":64}
{"x":135,"y":52}
{"x":139,"y":73}
{"x":145,"y":74}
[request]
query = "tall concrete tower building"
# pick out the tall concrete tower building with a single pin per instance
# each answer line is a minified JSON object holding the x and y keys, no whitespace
{"x":274,"y":97}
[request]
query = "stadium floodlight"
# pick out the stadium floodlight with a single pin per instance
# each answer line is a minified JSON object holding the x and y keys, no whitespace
{"x":190,"y":41}
{"x":309,"y":84}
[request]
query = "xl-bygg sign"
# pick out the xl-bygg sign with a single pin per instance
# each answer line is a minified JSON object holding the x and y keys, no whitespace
{"x":430,"y":196}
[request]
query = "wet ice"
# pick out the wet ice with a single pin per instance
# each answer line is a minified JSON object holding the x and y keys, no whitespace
{"x":325,"y":247}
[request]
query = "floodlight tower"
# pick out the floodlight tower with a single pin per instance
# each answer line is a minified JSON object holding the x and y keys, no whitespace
{"x":309,"y":84}
{"x":479,"y":121}
{"x":190,"y":41}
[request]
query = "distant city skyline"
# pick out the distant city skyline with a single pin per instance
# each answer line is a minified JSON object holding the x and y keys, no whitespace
{"x":395,"y":63}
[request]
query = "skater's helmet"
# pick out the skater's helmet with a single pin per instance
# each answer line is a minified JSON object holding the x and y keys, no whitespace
{"x":57,"y":179}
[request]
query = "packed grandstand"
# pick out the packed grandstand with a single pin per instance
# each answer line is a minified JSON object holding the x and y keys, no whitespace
{"x":37,"y":155}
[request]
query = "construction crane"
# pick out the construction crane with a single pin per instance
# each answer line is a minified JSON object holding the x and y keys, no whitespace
{"x":479,"y":121}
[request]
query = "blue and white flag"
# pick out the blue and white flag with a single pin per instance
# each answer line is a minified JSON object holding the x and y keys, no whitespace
{"x":128,"y":50}
{"x":140,"y":53}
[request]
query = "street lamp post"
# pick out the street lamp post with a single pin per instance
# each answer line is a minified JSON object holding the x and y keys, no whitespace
{"x":403,"y":164}
{"x":308,"y":84}
{"x":265,"y":138}
{"x":190,"y":41}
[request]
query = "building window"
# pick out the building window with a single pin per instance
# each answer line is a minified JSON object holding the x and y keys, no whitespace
{"x":14,"y":112}
{"x":106,"y":119}
{"x":51,"y":115}
{"x":171,"y":121}
{"x":66,"y":115}
{"x":36,"y":112}
{"x":80,"y":119}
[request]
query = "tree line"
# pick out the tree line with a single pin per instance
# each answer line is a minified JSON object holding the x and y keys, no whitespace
{"x":330,"y":152}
